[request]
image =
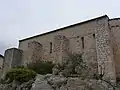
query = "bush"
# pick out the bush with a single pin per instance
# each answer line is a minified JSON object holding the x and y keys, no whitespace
{"x":41,"y":67}
{"x":20,"y":74}
{"x":77,"y":61}
{"x":74,"y":64}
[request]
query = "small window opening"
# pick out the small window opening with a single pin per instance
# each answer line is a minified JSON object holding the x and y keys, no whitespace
{"x":82,"y":38}
{"x":94,"y":35}
{"x":78,"y":36}
{"x":50,"y":47}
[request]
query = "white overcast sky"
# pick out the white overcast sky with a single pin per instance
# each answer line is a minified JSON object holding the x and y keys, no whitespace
{"x":23,"y":18}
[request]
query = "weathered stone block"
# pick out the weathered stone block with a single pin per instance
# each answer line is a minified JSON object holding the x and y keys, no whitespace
{"x":12,"y":58}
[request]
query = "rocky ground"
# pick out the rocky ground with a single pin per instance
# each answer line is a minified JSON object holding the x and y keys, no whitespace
{"x":57,"y":82}
{"x":64,"y":78}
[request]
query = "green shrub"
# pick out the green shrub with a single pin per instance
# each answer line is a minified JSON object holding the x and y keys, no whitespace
{"x":41,"y":67}
{"x":74,"y":64}
{"x":76,"y":60}
{"x":20,"y":74}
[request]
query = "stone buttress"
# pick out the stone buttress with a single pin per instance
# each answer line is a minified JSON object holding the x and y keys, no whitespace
{"x":104,"y":51}
{"x":61,"y":48}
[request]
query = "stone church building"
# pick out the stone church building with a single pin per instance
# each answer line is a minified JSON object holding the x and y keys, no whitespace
{"x":98,"y":40}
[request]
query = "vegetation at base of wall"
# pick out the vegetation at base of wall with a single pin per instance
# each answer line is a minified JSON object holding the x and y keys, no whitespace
{"x":41,"y":67}
{"x":74,"y":64}
{"x":76,"y":60}
{"x":20,"y":74}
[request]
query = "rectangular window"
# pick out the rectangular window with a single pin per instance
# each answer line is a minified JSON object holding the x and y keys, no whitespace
{"x":82,"y":38}
{"x":50,"y":47}
{"x":93,"y":35}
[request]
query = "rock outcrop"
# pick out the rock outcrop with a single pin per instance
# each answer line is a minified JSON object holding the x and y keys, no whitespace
{"x":56,"y":82}
{"x":41,"y":83}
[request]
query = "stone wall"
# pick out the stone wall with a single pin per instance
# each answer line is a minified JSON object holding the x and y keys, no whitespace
{"x":74,"y":35}
{"x":61,"y":48}
{"x":114,"y":25}
{"x":97,"y":44}
{"x":12,"y":58}
{"x":89,"y":53}
{"x":104,"y":50}
{"x":34,"y":52}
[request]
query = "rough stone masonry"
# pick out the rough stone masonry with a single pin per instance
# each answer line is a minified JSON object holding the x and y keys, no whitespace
{"x":98,"y":40}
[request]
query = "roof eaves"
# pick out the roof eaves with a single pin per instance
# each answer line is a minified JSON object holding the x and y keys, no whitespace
{"x":1,"y":56}
{"x":114,"y":19}
{"x":64,"y":27}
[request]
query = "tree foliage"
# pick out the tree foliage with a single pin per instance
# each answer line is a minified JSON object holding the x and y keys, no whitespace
{"x":20,"y":74}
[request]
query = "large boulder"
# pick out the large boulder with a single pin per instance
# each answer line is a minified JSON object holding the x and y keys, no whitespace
{"x":41,"y":83}
{"x":57,"y":81}
{"x":78,"y":84}
{"x":74,"y":84}
{"x":15,"y":85}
